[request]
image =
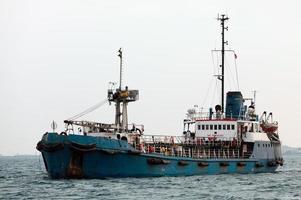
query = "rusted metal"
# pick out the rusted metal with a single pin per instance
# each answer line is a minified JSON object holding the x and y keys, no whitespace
{"x":74,"y":169}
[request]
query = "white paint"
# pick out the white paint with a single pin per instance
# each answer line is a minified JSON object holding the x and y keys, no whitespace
{"x":255,"y":136}
{"x":222,"y":134}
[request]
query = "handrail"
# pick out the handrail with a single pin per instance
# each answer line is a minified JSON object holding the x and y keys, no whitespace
{"x":187,"y":140}
{"x":197,"y":147}
{"x":202,"y":152}
{"x":207,"y":116}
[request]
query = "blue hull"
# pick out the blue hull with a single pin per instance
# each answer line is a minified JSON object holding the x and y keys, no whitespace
{"x":116,"y":158}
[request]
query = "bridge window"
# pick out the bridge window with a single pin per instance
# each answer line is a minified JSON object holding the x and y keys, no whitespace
{"x":219,"y":127}
{"x":215,"y":127}
{"x":232,"y":126}
{"x":207,"y":127}
{"x":199,"y":127}
{"x":211,"y":127}
{"x":224,"y":126}
{"x":203,"y":127}
{"x":228,"y":126}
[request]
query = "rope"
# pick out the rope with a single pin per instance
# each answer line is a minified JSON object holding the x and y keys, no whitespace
{"x":92,"y":108}
{"x":212,"y":79}
{"x":214,"y":92}
{"x":207,"y":92}
{"x":230,"y":78}
{"x":213,"y":63}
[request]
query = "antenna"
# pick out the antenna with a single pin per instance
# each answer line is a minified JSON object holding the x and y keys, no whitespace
{"x":222,"y":19}
{"x":120,"y":76}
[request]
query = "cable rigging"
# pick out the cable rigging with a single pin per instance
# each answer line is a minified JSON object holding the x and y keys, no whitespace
{"x":90,"y":109}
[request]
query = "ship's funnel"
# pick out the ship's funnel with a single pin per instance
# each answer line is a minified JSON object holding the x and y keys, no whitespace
{"x":234,"y":104}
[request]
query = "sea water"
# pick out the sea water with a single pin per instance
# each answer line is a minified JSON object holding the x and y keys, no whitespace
{"x":24,"y":177}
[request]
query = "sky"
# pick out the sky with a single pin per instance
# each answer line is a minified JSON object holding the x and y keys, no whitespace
{"x":57,"y":58}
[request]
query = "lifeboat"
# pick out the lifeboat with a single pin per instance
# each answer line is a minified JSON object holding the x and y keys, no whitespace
{"x":269,"y":127}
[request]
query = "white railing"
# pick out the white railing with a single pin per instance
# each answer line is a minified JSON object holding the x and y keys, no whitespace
{"x":198,"y":147}
{"x":181,"y":151}
{"x":211,"y":141}
{"x":214,"y":115}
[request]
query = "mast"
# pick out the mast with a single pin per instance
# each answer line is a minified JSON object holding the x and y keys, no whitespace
{"x":222,"y":19}
{"x":121,"y":97}
{"x":118,"y":114}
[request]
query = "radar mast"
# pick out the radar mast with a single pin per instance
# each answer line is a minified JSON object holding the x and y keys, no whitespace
{"x":222,"y":19}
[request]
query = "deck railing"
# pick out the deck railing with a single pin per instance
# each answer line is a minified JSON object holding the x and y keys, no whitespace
{"x":181,"y":151}
{"x":201,"y":115}
{"x":198,"y":147}
{"x":203,"y":141}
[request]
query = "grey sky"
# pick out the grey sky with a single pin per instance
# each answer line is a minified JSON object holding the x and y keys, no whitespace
{"x":57,"y":57}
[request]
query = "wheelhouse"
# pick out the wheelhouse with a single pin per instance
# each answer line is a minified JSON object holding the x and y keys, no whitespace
{"x":224,"y":129}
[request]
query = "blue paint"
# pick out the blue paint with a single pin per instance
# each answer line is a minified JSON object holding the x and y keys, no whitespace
{"x":121,"y":163}
{"x":234,"y":104}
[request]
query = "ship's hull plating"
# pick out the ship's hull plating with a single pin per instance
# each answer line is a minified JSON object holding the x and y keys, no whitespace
{"x":114,"y":158}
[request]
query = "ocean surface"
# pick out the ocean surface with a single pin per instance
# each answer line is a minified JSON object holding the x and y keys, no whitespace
{"x":24,"y":177}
